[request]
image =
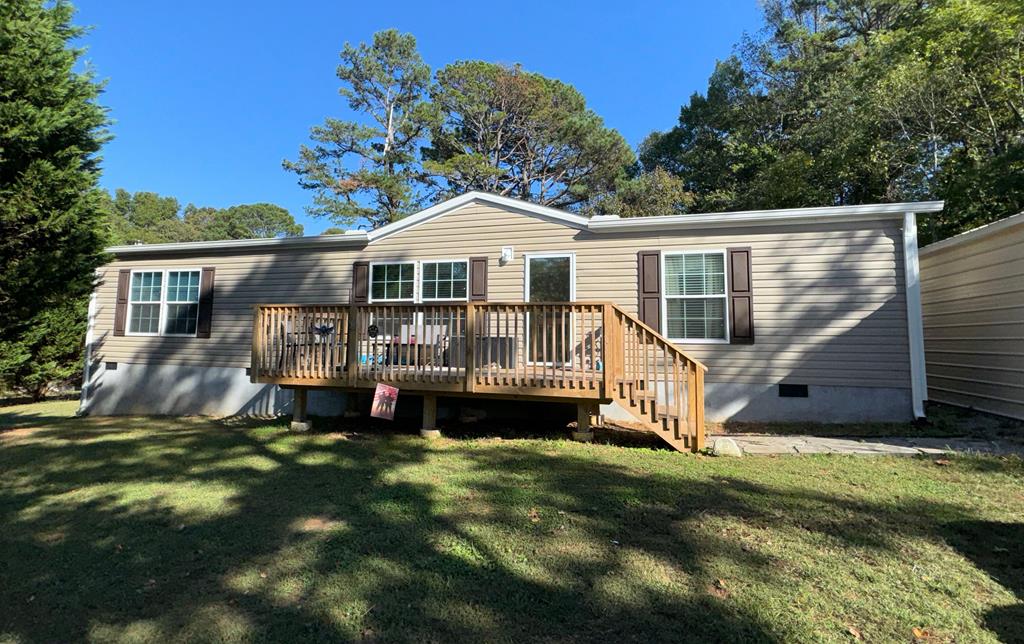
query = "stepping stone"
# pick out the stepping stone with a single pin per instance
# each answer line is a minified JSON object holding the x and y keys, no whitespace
{"x":726,"y":447}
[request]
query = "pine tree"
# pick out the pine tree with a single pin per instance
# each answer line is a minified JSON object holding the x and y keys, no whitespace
{"x":51,"y":130}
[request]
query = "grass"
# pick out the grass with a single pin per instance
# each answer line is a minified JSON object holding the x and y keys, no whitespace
{"x":150,"y":529}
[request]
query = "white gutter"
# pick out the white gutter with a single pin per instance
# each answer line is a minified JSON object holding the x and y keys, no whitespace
{"x":85,"y":398}
{"x":765,"y":217}
{"x":915,"y":324}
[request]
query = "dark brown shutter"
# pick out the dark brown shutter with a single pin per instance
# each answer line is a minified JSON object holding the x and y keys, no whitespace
{"x":648,"y":271}
{"x":477,"y":279}
{"x":124,"y":277}
{"x":360,"y":293}
{"x":741,"y":296}
{"x":205,"y":322}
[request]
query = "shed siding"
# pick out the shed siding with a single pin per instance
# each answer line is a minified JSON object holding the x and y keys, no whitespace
{"x":972,"y":297}
{"x":829,"y":304}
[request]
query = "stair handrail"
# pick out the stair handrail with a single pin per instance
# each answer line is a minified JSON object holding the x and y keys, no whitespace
{"x":658,"y":335}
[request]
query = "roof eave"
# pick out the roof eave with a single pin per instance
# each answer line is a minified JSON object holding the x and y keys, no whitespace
{"x":351,"y":238}
{"x":768,"y":217}
{"x":975,"y":234}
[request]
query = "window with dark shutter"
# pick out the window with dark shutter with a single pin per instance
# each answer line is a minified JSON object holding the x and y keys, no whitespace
{"x":121,"y":304}
{"x":649,"y":288}
{"x":359,"y":294}
{"x":205,"y":322}
{"x":477,"y":279}
{"x":741,"y":296}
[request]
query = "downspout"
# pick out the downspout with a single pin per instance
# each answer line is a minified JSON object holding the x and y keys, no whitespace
{"x":915,"y":325}
{"x":90,"y":337}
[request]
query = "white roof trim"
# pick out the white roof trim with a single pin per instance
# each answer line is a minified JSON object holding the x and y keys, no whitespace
{"x":766,"y":217}
{"x":348,"y":238}
{"x":975,"y":233}
{"x":543,"y":212}
{"x":600,"y":224}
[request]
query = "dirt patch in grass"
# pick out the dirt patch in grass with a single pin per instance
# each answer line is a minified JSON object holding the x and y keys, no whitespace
{"x":942,"y":421}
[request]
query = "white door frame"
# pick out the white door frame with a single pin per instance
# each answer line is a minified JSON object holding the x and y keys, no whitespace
{"x":572,"y":298}
{"x":572,"y":271}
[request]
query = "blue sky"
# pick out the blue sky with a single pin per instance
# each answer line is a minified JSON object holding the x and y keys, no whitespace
{"x":209,"y":96}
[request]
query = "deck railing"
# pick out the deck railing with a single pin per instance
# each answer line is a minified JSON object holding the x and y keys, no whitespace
{"x":561,"y":350}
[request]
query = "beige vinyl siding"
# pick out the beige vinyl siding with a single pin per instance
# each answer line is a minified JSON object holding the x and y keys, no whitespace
{"x":829,"y":302}
{"x":972,"y":298}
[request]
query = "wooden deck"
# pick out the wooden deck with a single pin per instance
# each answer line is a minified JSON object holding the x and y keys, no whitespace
{"x":589,"y":353}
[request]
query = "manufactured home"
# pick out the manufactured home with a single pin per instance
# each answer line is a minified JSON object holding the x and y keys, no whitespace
{"x":972,"y":292}
{"x":798,"y":314}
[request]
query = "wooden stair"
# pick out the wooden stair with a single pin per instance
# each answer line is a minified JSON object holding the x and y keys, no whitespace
{"x":659,"y":385}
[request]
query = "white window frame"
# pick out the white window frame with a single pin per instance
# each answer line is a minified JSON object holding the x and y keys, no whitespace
{"x":162,"y":304}
{"x":415,"y":280}
{"x":419,"y":280}
{"x":665,"y":297}
{"x":417,"y":276}
{"x":572,"y":271}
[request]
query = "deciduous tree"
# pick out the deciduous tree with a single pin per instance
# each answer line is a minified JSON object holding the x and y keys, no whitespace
{"x":853,"y":101}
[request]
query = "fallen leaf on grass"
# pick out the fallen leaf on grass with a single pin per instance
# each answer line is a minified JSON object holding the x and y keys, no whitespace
{"x":855,"y":632}
{"x":718,"y":589}
{"x":943,"y":461}
{"x":921,"y":633}
{"x":534,"y":515}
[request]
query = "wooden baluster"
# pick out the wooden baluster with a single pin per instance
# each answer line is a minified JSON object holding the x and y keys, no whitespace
{"x":265,"y":362}
{"x":315,"y":349}
{"x":691,"y":402}
{"x":594,"y":374}
{"x":470,"y":359}
{"x":646,"y":363}
{"x":281,"y":355}
{"x":543,"y":312}
{"x":561,"y":321}
{"x":275,"y":331}
{"x":677,"y":395}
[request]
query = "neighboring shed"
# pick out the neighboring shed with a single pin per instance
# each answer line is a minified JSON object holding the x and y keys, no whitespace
{"x":972,"y":294}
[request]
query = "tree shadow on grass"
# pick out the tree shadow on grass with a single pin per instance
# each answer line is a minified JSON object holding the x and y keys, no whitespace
{"x":995,"y":547}
{"x":194,"y":532}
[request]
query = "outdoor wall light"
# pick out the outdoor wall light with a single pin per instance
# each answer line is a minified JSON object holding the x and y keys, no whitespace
{"x":506,"y":254}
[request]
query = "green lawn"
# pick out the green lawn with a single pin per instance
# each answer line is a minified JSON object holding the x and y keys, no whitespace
{"x":153,"y":529}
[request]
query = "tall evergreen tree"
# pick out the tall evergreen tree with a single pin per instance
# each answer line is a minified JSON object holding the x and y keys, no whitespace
{"x":51,"y":130}
{"x":517,"y":133}
{"x":358,"y":170}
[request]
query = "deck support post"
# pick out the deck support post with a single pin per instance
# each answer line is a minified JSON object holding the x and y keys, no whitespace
{"x":429,"y":428}
{"x":352,"y":399}
{"x":300,"y":423}
{"x":584,"y":431}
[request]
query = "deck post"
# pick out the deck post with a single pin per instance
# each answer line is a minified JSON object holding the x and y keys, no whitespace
{"x":257,"y":344}
{"x":300,"y":423}
{"x":352,"y":404}
{"x":429,"y":428}
{"x":699,"y":410}
{"x":470,"y":384}
{"x":352,"y":345}
{"x":612,"y":347}
{"x":584,"y":432}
